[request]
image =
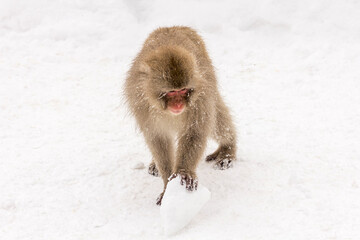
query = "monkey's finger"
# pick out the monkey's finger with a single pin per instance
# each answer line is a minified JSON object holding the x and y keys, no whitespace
{"x":189,"y":187}
{"x":188,"y":180}
{"x":174,"y":175}
{"x":159,"y":199}
{"x":183,"y":180}
{"x":190,"y":184}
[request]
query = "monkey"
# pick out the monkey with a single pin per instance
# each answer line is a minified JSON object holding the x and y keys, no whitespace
{"x":171,"y":90}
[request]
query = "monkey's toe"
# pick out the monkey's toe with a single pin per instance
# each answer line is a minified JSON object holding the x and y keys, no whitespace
{"x":152,"y":170}
{"x":224,"y":164}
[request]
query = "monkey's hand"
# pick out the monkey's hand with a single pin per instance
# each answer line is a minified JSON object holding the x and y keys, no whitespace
{"x":189,"y":180}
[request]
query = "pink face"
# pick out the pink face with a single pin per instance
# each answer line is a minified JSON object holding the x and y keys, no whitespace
{"x":176,"y":100}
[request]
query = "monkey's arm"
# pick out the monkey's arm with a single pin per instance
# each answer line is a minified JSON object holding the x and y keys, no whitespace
{"x":191,"y":146}
{"x":162,"y":149}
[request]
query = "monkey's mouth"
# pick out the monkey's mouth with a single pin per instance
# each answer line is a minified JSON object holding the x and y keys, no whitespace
{"x":177,"y":108}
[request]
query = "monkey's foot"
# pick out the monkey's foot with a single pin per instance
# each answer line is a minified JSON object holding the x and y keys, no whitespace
{"x":190,"y":182}
{"x":224,"y":164}
{"x":159,"y":199}
{"x":152,"y":170}
{"x":223,"y":160}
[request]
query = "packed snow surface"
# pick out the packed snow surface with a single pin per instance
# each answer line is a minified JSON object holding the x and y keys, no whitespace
{"x":69,"y":151}
{"x":179,"y":206}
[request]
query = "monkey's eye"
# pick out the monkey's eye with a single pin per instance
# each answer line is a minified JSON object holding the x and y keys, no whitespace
{"x":181,"y":92}
{"x":172,"y":93}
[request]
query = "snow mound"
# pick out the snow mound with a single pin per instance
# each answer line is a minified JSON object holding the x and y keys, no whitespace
{"x":180,"y":206}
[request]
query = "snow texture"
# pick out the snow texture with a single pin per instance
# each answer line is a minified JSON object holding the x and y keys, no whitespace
{"x":288,"y":70}
{"x":179,"y":206}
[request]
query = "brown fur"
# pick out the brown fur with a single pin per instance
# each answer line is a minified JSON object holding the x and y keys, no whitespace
{"x":176,"y":58}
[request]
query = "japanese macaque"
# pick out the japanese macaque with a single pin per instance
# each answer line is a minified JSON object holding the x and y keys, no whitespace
{"x":172,"y":91}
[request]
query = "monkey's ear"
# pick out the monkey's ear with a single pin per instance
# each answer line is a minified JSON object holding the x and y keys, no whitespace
{"x":144,"y":68}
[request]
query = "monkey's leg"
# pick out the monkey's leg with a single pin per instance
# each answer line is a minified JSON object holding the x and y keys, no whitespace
{"x":152,"y":170}
{"x":162,"y":150}
{"x":225,"y":134}
{"x":191,"y":146}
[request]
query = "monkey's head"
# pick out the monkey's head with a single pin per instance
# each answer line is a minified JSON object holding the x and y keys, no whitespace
{"x":172,"y":79}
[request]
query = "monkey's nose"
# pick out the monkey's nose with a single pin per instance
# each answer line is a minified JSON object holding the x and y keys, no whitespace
{"x":178,"y":105}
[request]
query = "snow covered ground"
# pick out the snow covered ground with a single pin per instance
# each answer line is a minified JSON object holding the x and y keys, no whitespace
{"x":289,"y":70}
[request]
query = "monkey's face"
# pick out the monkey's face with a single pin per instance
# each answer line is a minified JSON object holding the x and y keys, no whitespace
{"x":175,"y":101}
{"x":171,"y":78}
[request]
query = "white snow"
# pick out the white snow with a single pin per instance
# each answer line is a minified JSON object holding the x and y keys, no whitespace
{"x":179,"y":206}
{"x":289,"y":71}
